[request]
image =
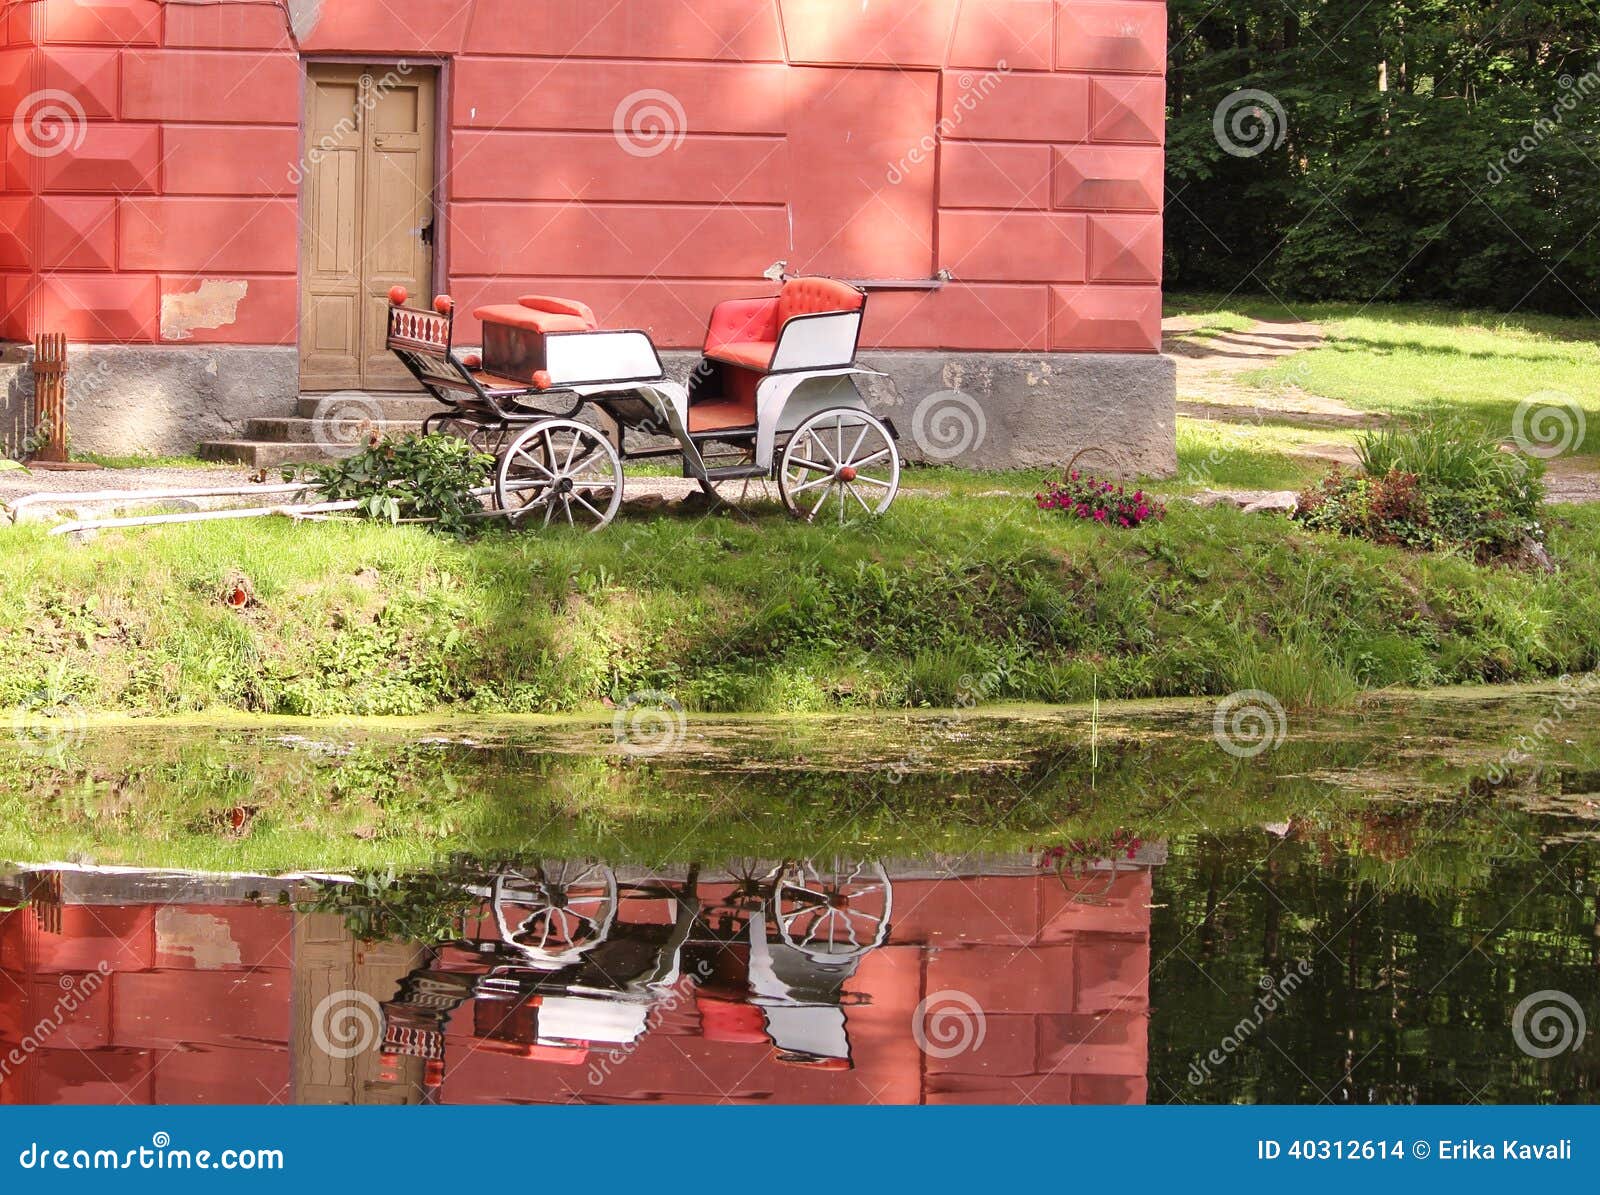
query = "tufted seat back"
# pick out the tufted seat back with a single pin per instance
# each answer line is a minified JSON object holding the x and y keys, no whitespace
{"x":811,"y":296}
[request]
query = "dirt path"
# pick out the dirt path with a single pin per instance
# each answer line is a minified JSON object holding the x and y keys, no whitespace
{"x":1211,"y":365}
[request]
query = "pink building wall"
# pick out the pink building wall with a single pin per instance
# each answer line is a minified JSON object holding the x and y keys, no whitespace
{"x":807,"y":134}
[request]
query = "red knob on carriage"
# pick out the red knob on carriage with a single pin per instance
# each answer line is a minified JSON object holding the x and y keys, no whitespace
{"x":541,"y":378}
{"x":472,"y":361}
{"x":397,"y":296}
{"x":443,"y":304}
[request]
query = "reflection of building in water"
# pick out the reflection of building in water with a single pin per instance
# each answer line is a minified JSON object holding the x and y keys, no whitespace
{"x":780,"y":983}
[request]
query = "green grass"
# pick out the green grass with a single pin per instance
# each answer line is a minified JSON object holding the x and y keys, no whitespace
{"x":944,"y":600}
{"x":1400,"y":358}
{"x":1217,"y":455}
{"x":141,"y":461}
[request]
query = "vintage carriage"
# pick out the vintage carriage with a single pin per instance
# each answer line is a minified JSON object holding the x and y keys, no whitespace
{"x":774,"y":399}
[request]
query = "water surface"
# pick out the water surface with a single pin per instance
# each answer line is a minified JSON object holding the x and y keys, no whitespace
{"x":1396,"y":904}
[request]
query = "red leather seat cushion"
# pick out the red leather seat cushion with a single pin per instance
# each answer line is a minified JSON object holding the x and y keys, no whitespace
{"x":811,"y":296}
{"x":558,"y":306}
{"x":752,"y":354}
{"x":517,"y":316}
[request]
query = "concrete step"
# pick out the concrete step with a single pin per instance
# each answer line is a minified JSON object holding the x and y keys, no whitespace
{"x":407,"y":407}
{"x":263,"y":454}
{"x":342,"y":428}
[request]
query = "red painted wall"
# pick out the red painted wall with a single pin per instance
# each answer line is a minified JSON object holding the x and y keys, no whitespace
{"x":807,"y":133}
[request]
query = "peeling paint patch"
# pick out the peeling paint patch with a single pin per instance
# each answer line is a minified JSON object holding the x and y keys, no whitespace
{"x":214,"y":305}
{"x":204,"y":940}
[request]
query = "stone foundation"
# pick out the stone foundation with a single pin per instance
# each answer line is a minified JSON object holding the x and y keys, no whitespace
{"x":979,"y":410}
{"x":134,"y":400}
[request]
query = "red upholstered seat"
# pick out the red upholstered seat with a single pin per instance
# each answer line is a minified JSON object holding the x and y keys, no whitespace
{"x":752,"y":354}
{"x":517,"y":316}
{"x":812,"y":296}
{"x":558,"y":306}
{"x":746,"y":331}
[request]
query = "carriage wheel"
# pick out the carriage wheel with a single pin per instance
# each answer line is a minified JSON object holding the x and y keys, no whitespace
{"x":835,"y":915}
{"x":559,"y":471}
{"x":737,"y":491}
{"x":555,"y":911}
{"x":843,"y":456}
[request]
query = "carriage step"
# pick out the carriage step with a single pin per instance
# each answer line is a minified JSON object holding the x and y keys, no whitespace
{"x":736,"y":472}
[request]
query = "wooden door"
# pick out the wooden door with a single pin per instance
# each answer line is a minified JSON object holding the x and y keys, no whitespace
{"x":367,"y":205}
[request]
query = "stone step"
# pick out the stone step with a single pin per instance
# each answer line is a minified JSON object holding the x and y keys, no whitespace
{"x":264,"y":454}
{"x":342,"y":428}
{"x":408,"y":407}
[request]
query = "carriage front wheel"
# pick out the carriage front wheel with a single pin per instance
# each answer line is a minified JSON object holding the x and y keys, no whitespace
{"x":841,"y":464}
{"x":559,"y":471}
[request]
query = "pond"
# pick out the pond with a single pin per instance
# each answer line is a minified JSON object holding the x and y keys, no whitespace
{"x":1139,"y":904}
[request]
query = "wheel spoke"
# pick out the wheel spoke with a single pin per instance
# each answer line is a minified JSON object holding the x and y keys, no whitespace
{"x":850,"y":457}
{"x":584,"y":502}
{"x":858,"y":497}
{"x":812,"y":484}
{"x":873,"y":459}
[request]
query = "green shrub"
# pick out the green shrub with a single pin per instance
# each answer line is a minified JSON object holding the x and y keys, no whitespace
{"x":412,"y":477}
{"x":1441,"y":483}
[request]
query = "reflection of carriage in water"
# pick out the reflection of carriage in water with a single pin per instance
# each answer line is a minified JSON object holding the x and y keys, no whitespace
{"x":569,"y":957}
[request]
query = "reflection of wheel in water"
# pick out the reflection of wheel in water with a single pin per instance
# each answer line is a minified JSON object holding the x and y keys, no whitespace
{"x":834,"y":915}
{"x":556,"y":911}
{"x":843,"y":456}
{"x":736,"y":491}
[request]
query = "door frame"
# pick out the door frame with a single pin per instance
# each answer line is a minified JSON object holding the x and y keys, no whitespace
{"x":441,"y":68}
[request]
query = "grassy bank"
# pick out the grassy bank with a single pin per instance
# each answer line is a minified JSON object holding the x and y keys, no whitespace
{"x":946,"y":600}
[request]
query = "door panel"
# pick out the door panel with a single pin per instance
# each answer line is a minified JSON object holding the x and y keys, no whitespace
{"x":368,"y":205}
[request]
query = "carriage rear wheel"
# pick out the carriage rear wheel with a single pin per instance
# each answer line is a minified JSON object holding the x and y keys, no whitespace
{"x":840,"y":464}
{"x":559,"y":471}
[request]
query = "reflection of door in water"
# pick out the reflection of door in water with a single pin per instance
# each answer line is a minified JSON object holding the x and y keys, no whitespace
{"x":367,"y":205}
